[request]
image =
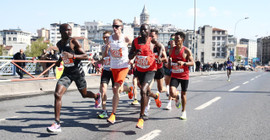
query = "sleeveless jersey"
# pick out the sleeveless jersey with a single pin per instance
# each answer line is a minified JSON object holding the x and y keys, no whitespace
{"x":118,"y":53}
{"x":159,"y":65}
{"x":146,"y":60}
{"x":106,"y":60}
{"x":179,"y":72}
{"x":77,"y":63}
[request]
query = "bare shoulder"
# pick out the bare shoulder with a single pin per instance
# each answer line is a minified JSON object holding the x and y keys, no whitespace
{"x":188,"y":51}
{"x":127,"y":40}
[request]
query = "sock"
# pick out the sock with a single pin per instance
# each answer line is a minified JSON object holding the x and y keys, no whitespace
{"x":57,"y":122}
{"x":168,"y":89}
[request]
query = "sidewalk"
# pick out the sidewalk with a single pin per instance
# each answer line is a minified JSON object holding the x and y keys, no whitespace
{"x":38,"y":87}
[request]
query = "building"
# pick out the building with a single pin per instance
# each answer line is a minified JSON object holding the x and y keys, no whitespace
{"x":259,"y":49}
{"x":77,"y":31}
{"x":266,"y":50}
{"x":43,"y":33}
{"x":241,"y":50}
{"x":16,"y":38}
{"x":212,"y":44}
{"x":144,"y":17}
{"x":251,"y":47}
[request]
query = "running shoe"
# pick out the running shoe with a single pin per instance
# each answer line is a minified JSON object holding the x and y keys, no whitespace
{"x":178,"y":102}
{"x":111,"y":119}
{"x":103,"y":115}
{"x":98,"y":101}
{"x":158,"y":102}
{"x":229,"y":79}
{"x":135,"y":102}
{"x":130,"y":93}
{"x":183,"y":116}
{"x":54,"y":128}
{"x":140,"y":123}
{"x":169,"y":106}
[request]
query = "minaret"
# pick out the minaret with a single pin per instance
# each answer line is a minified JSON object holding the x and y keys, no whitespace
{"x":144,"y":16}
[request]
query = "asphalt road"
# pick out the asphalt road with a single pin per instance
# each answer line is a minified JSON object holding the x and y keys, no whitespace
{"x":216,"y":109}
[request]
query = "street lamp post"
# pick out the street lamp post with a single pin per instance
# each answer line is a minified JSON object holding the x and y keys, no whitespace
{"x":237,"y":23}
{"x":194,"y":36}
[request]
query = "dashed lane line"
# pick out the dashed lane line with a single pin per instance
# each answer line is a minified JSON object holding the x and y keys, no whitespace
{"x":8,"y":118}
{"x":207,"y":103}
{"x":245,"y":82}
{"x":234,"y":88}
{"x":150,"y":135}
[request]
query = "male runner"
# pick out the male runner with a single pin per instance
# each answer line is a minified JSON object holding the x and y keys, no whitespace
{"x":229,"y":68}
{"x":106,"y":75}
{"x":118,"y":47}
{"x":71,"y":54}
{"x":143,"y":48}
{"x":181,"y":59}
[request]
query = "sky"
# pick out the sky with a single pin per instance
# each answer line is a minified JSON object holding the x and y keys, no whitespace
{"x":30,"y":15}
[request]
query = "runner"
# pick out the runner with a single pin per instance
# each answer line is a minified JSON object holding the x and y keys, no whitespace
{"x":106,"y":75}
{"x":229,"y":68}
{"x":181,"y":59}
{"x":168,"y":71}
{"x":143,"y":49}
{"x":159,"y":75}
{"x":118,"y":47}
{"x":72,"y":54}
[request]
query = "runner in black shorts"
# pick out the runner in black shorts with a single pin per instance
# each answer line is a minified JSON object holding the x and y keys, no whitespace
{"x":175,"y":82}
{"x":106,"y":75}
{"x":71,"y":53}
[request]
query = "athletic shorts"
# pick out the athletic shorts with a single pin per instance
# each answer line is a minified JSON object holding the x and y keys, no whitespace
{"x":175,"y":82}
{"x":106,"y":76}
{"x":159,"y":74}
{"x":167,"y":71}
{"x":67,"y":79}
{"x":146,"y":77}
{"x":119,"y":75}
{"x":135,"y":73}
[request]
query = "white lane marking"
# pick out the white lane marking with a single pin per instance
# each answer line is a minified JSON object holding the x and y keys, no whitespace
{"x":252,"y":79}
{"x":246,"y":82}
{"x":234,"y":88}
{"x":207,"y":103}
{"x":8,"y":118}
{"x":150,"y":135}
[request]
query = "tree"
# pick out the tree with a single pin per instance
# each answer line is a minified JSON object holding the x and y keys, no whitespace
{"x":36,"y":48}
{"x":238,"y":58}
{"x":1,"y":50}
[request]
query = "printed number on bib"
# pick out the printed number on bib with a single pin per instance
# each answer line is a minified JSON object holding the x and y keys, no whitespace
{"x":116,"y":53}
{"x":177,"y":68}
{"x":106,"y":62}
{"x":143,"y":62}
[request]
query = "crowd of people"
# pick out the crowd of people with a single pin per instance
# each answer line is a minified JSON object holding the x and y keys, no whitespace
{"x":148,"y":60}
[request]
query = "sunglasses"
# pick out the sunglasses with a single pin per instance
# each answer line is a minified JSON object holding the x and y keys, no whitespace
{"x":105,"y":37}
{"x":116,"y":26}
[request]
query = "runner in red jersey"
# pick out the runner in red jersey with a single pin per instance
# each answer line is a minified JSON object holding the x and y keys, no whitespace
{"x":142,"y":47}
{"x":181,"y":59}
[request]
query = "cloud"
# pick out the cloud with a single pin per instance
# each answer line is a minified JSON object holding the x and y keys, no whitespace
{"x":199,"y":13}
{"x":213,"y":11}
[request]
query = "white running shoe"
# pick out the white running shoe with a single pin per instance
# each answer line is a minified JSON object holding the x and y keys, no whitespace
{"x":54,"y":128}
{"x":183,"y":116}
{"x":169,"y":105}
{"x":178,"y":102}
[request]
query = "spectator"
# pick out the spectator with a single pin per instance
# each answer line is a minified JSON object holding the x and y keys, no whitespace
{"x":52,"y":56}
{"x":20,"y":56}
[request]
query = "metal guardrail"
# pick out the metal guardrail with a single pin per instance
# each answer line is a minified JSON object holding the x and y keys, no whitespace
{"x":33,"y":68}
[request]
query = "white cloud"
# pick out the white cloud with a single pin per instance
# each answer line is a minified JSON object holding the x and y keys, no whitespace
{"x":213,"y":11}
{"x":199,"y":13}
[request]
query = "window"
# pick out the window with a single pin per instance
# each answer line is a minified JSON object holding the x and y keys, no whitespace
{"x":9,"y":38}
{"x":213,"y":48}
{"x":218,"y":49}
{"x":223,"y":54}
{"x":218,"y":54}
{"x":218,"y":44}
{"x":214,"y":44}
{"x":14,"y":39}
{"x":213,"y":54}
{"x":218,"y":38}
{"x":213,"y":38}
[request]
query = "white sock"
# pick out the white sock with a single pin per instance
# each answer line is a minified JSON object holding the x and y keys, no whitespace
{"x":168,"y":89}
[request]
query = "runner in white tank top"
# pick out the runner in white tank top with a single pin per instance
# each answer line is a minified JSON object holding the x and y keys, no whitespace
{"x":118,"y":47}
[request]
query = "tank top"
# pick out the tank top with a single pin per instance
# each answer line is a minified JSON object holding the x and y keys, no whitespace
{"x":106,"y":60}
{"x":159,"y":65}
{"x":146,"y":60}
{"x":119,"y":53}
{"x":179,"y":72}
{"x":77,"y":67}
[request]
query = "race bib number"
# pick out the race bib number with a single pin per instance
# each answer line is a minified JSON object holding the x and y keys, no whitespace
{"x":143,"y":62}
{"x":116,"y":53}
{"x":68,"y":62}
{"x":106,"y":62}
{"x":177,"y":68}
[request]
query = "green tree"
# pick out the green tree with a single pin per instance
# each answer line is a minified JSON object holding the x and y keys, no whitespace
{"x":36,"y":48}
{"x":238,"y":58}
